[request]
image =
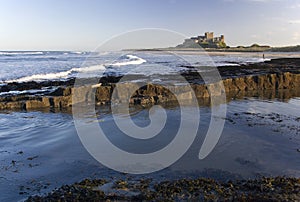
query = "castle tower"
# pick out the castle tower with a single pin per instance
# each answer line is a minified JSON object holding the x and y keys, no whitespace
{"x":209,"y":36}
{"x":222,"y":38}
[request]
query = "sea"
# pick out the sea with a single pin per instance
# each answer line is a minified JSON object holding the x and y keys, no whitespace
{"x":25,"y":66}
{"x":41,"y":150}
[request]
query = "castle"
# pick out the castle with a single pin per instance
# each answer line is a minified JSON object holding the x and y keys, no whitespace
{"x":206,"y":41}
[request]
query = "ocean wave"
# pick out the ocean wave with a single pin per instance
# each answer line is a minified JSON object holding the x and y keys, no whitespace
{"x":32,"y":91}
{"x":88,"y":69}
{"x":21,"y":53}
{"x":42,"y":77}
{"x":78,"y":52}
{"x":75,"y":53}
{"x":58,"y":75}
{"x":130,"y":60}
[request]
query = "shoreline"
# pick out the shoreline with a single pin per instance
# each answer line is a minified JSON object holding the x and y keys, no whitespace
{"x":242,"y":49}
{"x":203,"y":189}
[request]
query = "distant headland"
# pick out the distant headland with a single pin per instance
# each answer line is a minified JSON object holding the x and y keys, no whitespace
{"x":209,"y":42}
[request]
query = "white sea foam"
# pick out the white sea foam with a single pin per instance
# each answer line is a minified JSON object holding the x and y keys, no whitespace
{"x":78,"y":52}
{"x":89,"y":69}
{"x":21,"y":53}
{"x":58,"y":75}
{"x":16,"y":92}
{"x":130,"y":60}
{"x":41,"y":77}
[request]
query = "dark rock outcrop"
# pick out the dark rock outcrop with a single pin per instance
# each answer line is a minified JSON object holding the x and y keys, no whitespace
{"x":155,"y":94}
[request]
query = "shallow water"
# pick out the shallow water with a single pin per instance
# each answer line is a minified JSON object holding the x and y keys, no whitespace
{"x":41,"y":150}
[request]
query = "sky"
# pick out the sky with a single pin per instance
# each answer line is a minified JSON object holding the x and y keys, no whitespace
{"x":84,"y":24}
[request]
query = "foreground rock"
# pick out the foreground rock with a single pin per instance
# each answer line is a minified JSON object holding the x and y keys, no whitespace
{"x":156,"y":94}
{"x":264,"y":189}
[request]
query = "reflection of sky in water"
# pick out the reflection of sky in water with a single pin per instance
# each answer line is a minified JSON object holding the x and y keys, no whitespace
{"x":266,"y":147}
{"x":281,"y":108}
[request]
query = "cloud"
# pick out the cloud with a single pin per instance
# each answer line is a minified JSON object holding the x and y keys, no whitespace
{"x":294,"y":21}
{"x":265,"y":0}
{"x":262,"y":1}
{"x":259,"y":0}
{"x":294,"y":6}
{"x":296,"y":36}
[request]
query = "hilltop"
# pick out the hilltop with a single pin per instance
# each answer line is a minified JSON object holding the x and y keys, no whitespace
{"x":210,"y":43}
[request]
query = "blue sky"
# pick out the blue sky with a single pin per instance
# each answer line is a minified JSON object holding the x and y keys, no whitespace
{"x":84,"y":24}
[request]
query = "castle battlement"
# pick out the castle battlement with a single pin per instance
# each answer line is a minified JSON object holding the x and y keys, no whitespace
{"x":206,"y":41}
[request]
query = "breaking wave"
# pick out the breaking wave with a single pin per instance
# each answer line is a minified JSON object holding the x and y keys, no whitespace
{"x":7,"y":53}
{"x":128,"y":60}
{"x":58,"y":75}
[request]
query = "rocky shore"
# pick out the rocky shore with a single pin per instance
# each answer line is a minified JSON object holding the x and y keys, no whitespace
{"x":271,"y":76}
{"x":202,"y":189}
